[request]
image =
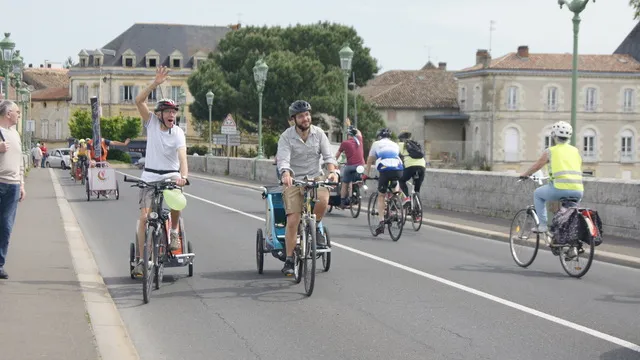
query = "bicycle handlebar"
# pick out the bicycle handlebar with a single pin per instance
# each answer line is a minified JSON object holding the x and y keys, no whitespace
{"x":534,"y":178}
{"x":165,"y":184}
{"x":313,"y":183}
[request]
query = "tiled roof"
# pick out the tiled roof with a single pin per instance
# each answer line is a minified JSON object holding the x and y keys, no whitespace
{"x":618,"y":63}
{"x":412,"y":89}
{"x":164,"y":39}
{"x":51,"y":94}
{"x":44,"y":78}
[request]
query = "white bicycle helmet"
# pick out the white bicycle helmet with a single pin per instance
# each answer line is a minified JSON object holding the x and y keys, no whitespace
{"x":561,"y":129}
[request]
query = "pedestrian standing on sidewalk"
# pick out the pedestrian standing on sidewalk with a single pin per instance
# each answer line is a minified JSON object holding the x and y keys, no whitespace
{"x":11,"y":175}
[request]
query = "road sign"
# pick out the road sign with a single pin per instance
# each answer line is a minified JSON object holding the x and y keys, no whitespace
{"x":234,"y":140}
{"x":219,"y":139}
{"x":228,"y":125}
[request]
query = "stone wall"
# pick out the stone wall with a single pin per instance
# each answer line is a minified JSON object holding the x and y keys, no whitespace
{"x":487,"y":193}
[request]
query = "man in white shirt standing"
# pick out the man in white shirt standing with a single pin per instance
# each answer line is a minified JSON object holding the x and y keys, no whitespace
{"x":166,"y":156}
{"x":11,"y":175}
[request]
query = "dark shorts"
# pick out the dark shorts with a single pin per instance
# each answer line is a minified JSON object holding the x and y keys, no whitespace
{"x":386,"y":177}
{"x":349,"y":174}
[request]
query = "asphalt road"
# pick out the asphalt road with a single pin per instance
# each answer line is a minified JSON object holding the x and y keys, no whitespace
{"x":434,"y":294}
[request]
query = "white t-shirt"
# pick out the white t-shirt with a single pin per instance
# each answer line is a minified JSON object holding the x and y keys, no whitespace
{"x":387,"y":154}
{"x":162,"y":150}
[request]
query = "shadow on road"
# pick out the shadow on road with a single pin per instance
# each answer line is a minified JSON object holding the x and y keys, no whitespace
{"x":508,"y":270}
{"x":620,"y":354}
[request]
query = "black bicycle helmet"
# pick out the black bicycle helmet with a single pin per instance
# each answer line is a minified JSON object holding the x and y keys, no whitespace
{"x":383,"y":133}
{"x":298,"y":106}
{"x":404,"y":136}
{"x":165,"y":104}
{"x":352,"y":131}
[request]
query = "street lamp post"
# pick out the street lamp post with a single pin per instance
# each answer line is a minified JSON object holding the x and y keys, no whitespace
{"x":24,"y":99}
{"x":182,"y":96}
{"x":260,"y":76}
{"x":576,"y":7}
{"x":346,"y":55}
{"x":354,"y":87}
{"x":210,"y":96}
{"x":7,"y":46}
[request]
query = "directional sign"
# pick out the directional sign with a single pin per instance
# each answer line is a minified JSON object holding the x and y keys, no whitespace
{"x":219,"y":139}
{"x":228,"y":125}
{"x":234,"y":140}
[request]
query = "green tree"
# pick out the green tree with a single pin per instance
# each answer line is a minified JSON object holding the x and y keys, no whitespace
{"x":112,"y":128}
{"x":635,"y":4}
{"x":81,"y":125}
{"x":131,"y":128}
{"x":303,"y":64}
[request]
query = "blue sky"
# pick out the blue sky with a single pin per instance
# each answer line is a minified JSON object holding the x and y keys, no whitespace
{"x":401,"y":33}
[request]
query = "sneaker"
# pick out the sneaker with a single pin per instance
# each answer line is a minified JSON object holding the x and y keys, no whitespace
{"x":3,"y":274}
{"x":320,"y":239}
{"x":542,"y":228}
{"x":174,"y":245}
{"x":137,"y":270}
{"x":288,"y":268}
{"x":380,"y":228}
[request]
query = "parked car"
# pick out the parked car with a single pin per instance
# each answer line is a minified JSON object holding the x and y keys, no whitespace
{"x":59,"y":158}
{"x":135,"y":156}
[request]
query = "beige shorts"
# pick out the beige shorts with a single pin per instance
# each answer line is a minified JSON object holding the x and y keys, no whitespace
{"x":293,"y":197}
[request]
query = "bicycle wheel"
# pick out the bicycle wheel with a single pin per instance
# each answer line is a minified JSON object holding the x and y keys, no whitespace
{"x":396,"y":217}
{"x":372,"y":213}
{"x":158,"y":267}
{"x":355,"y":198}
{"x":416,"y":212}
{"x":326,"y":256}
{"x":310,"y":258}
{"x":147,"y":274}
{"x":298,"y":263}
{"x":571,"y":258}
{"x":132,"y":259}
{"x":259,"y":251}
{"x":519,"y":234}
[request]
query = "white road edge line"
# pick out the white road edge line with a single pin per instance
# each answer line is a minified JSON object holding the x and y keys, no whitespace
{"x":111,"y":334}
{"x":511,"y":304}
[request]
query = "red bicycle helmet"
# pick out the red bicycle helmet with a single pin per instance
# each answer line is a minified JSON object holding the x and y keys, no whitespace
{"x":165,"y":104}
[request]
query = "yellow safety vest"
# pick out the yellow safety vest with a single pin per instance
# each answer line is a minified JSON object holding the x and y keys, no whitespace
{"x":565,"y":167}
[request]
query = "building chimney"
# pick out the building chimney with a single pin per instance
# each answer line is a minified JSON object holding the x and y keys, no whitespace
{"x":49,"y":66}
{"x":483,"y":57}
{"x":41,"y":66}
{"x":30,"y":65}
{"x":442,"y":65}
{"x":523,"y":51}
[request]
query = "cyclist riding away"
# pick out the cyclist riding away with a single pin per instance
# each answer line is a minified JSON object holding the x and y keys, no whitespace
{"x":353,"y":149}
{"x":299,"y":151}
{"x":386,"y":155}
{"x":104,"y":145}
{"x":565,"y":172}
{"x":165,"y":158}
{"x":413,"y":164}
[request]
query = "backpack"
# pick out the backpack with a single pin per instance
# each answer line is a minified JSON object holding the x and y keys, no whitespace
{"x":414,"y":149}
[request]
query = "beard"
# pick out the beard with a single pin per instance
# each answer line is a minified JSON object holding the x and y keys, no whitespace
{"x":303,"y":127}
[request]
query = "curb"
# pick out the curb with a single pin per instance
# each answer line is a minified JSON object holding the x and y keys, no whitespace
{"x":604,"y":256}
{"x":112,"y":339}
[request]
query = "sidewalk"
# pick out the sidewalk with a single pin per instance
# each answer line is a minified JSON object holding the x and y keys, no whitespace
{"x":614,"y":249}
{"x":42,"y":309}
